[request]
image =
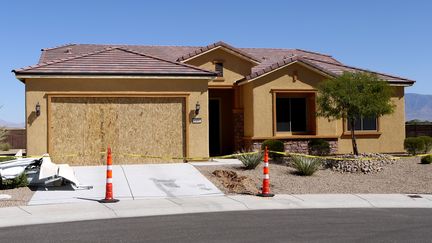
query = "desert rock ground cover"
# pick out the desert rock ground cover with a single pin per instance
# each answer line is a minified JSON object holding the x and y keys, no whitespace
{"x":403,"y":176}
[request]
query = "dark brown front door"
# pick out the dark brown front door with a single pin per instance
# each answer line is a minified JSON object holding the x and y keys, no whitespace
{"x":214,"y":127}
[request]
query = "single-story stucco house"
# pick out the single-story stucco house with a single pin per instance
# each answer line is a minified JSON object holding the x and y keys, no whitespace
{"x":186,"y":101}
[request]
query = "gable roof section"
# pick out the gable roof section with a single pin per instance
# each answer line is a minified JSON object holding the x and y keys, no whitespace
{"x":338,"y":69}
{"x":213,"y":46}
{"x":327,"y":68}
{"x":112,"y":61}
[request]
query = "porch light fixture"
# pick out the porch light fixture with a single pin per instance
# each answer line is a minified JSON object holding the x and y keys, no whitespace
{"x":197,"y":108}
{"x":37,"y":109}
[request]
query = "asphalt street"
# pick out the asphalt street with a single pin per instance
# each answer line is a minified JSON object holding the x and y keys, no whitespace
{"x":293,"y":225}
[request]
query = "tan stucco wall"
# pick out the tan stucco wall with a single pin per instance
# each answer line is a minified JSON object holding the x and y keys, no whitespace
{"x":248,"y":109}
{"x":391,"y":127}
{"x":282,"y":79}
{"x":258,"y":111}
{"x":235,"y":68}
{"x":36,"y":90}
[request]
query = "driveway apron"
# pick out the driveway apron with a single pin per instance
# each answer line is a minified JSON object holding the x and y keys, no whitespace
{"x":131,"y":182}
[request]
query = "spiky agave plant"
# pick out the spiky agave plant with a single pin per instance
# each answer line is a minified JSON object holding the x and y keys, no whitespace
{"x":306,"y":166}
{"x":250,"y":159}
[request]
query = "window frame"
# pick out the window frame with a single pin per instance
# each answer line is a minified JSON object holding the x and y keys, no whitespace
{"x":362,"y":125}
{"x":362,"y":133}
{"x":311,"y":120}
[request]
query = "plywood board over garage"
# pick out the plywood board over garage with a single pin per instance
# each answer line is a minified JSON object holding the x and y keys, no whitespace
{"x":82,"y":127}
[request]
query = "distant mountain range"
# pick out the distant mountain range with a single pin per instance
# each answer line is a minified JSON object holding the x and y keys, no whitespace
{"x":418,"y":106}
{"x":4,"y":123}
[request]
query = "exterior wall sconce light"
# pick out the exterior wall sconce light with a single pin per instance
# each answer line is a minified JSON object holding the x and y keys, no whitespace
{"x":38,"y":109}
{"x":197,"y":108}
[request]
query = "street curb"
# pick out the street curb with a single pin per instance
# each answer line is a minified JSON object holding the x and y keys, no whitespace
{"x":69,"y":212}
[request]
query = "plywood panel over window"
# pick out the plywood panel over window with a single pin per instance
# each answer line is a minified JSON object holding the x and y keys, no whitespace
{"x":81,"y":127}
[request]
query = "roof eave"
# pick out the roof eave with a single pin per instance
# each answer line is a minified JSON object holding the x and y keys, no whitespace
{"x":26,"y":75}
{"x":403,"y":83}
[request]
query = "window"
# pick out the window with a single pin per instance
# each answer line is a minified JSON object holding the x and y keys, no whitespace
{"x":219,"y":69}
{"x":364,"y":124}
{"x":291,"y":114}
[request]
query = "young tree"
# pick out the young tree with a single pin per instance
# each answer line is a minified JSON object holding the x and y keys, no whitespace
{"x":352,"y":95}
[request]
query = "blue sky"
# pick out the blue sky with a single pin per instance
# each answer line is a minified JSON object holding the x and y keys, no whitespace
{"x":388,"y":36}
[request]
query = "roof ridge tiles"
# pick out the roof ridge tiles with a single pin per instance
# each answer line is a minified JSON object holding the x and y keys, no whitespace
{"x":287,"y":49}
{"x":313,"y":52}
{"x":63,"y":59}
{"x":110,"y":48}
{"x":266,"y":48}
{"x":59,"y":46}
{"x":273,"y":66}
{"x":132,"y":45}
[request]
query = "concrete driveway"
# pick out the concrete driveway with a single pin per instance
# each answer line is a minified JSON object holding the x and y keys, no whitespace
{"x":132,"y":182}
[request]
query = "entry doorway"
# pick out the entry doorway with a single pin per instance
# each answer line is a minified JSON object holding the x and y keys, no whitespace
{"x":221,"y":123}
{"x":215,"y":126}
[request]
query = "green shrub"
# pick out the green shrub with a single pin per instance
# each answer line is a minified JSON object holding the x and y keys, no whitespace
{"x":306,"y":166}
{"x":319,"y":147}
{"x":5,"y":146}
{"x":7,"y":158}
{"x":274,"y":145}
{"x":414,"y":145}
{"x":250,"y":160}
{"x":427,"y":142}
{"x":426,"y":159}
{"x":19,"y":181}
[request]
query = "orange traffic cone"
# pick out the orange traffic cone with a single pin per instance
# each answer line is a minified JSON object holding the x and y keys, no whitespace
{"x":265,"y":191}
{"x":109,"y":197}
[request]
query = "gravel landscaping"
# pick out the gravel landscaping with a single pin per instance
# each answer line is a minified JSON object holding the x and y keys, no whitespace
{"x":402,"y":176}
{"x":19,"y":197}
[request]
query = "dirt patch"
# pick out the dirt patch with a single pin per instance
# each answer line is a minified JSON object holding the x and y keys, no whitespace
{"x":19,"y":197}
{"x":403,"y":176}
{"x":235,"y":183}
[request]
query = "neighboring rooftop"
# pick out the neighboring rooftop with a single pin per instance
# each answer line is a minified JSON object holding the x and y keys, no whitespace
{"x":168,"y":60}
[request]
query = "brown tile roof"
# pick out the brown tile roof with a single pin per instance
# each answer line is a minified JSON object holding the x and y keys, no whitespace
{"x":339,"y":68}
{"x":201,"y":50}
{"x":114,"y":60}
{"x":330,"y":68}
{"x":267,"y":59}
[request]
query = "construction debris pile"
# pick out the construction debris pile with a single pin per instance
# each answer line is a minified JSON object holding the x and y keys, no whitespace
{"x":235,"y":183}
{"x":40,"y":172}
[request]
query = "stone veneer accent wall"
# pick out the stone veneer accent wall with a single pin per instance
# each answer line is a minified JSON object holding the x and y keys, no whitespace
{"x":238,"y":118}
{"x":294,"y":145}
